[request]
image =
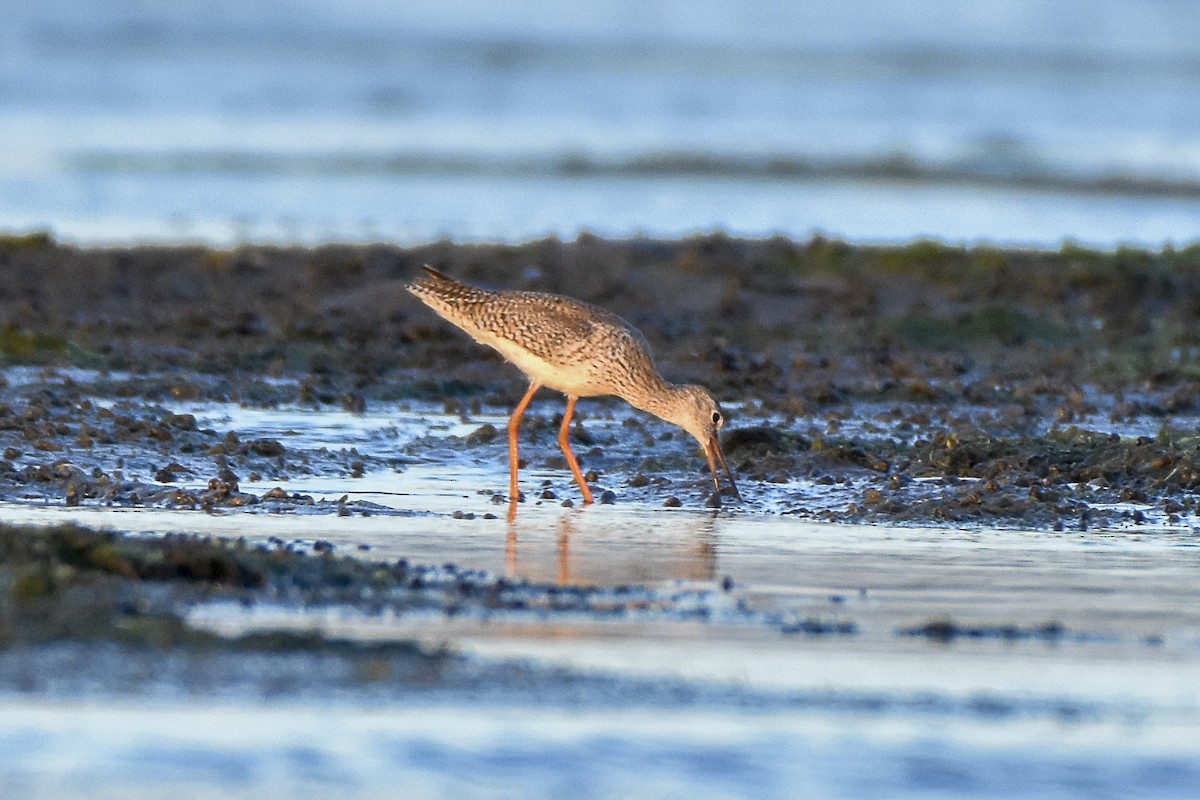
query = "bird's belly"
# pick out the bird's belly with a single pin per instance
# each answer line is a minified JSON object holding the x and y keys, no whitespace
{"x":576,"y":379}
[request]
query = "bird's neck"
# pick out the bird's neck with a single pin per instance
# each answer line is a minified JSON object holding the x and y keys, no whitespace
{"x":662,"y":399}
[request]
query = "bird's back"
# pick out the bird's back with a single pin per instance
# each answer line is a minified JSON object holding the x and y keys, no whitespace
{"x":563,"y":343}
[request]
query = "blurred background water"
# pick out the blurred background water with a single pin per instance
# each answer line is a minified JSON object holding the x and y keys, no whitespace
{"x":1008,"y":121}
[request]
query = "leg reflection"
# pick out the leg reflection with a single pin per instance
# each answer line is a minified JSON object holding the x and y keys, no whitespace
{"x":510,"y":551}
{"x":564,"y":551}
{"x":512,"y":566}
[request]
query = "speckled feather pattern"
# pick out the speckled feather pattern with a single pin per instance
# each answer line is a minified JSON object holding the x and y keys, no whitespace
{"x":585,"y":350}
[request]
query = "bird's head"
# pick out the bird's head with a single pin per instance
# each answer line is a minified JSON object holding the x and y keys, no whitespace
{"x":697,"y":412}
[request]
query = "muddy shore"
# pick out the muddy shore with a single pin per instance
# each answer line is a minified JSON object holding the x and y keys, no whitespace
{"x":915,"y":384}
{"x":257,"y":490}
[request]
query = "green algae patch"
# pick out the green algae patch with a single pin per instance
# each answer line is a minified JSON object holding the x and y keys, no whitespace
{"x":1005,"y":326}
{"x":85,"y":552}
{"x":67,"y":582}
{"x":21,"y":345}
{"x":32,"y":240}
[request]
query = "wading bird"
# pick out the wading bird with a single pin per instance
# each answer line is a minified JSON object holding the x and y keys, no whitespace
{"x":579,"y":350}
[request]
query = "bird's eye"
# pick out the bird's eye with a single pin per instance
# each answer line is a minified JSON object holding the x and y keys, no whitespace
{"x":716,"y":418}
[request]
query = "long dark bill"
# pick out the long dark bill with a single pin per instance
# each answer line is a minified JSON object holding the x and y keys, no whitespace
{"x":713,"y":447}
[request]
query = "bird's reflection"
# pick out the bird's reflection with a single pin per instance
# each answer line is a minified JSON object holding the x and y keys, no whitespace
{"x":612,"y":559}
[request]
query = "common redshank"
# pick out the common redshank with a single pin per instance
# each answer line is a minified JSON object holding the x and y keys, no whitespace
{"x":577,"y":349}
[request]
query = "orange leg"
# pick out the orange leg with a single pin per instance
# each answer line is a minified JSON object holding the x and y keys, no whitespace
{"x":514,"y":425}
{"x":564,"y":442}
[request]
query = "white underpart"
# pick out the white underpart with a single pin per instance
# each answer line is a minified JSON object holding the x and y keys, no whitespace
{"x":568,"y":380}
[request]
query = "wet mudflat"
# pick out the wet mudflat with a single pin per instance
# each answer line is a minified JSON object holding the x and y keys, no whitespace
{"x":728,"y":654}
{"x":255,"y":541}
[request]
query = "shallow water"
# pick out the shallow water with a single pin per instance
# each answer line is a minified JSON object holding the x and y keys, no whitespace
{"x":1112,"y":704}
{"x":284,"y":751}
{"x":1064,"y":662}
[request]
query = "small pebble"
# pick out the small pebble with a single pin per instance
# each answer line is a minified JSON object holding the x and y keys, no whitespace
{"x":607,"y":497}
{"x":672,"y":502}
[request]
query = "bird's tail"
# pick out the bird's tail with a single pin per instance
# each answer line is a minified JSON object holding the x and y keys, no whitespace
{"x":442,"y":293}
